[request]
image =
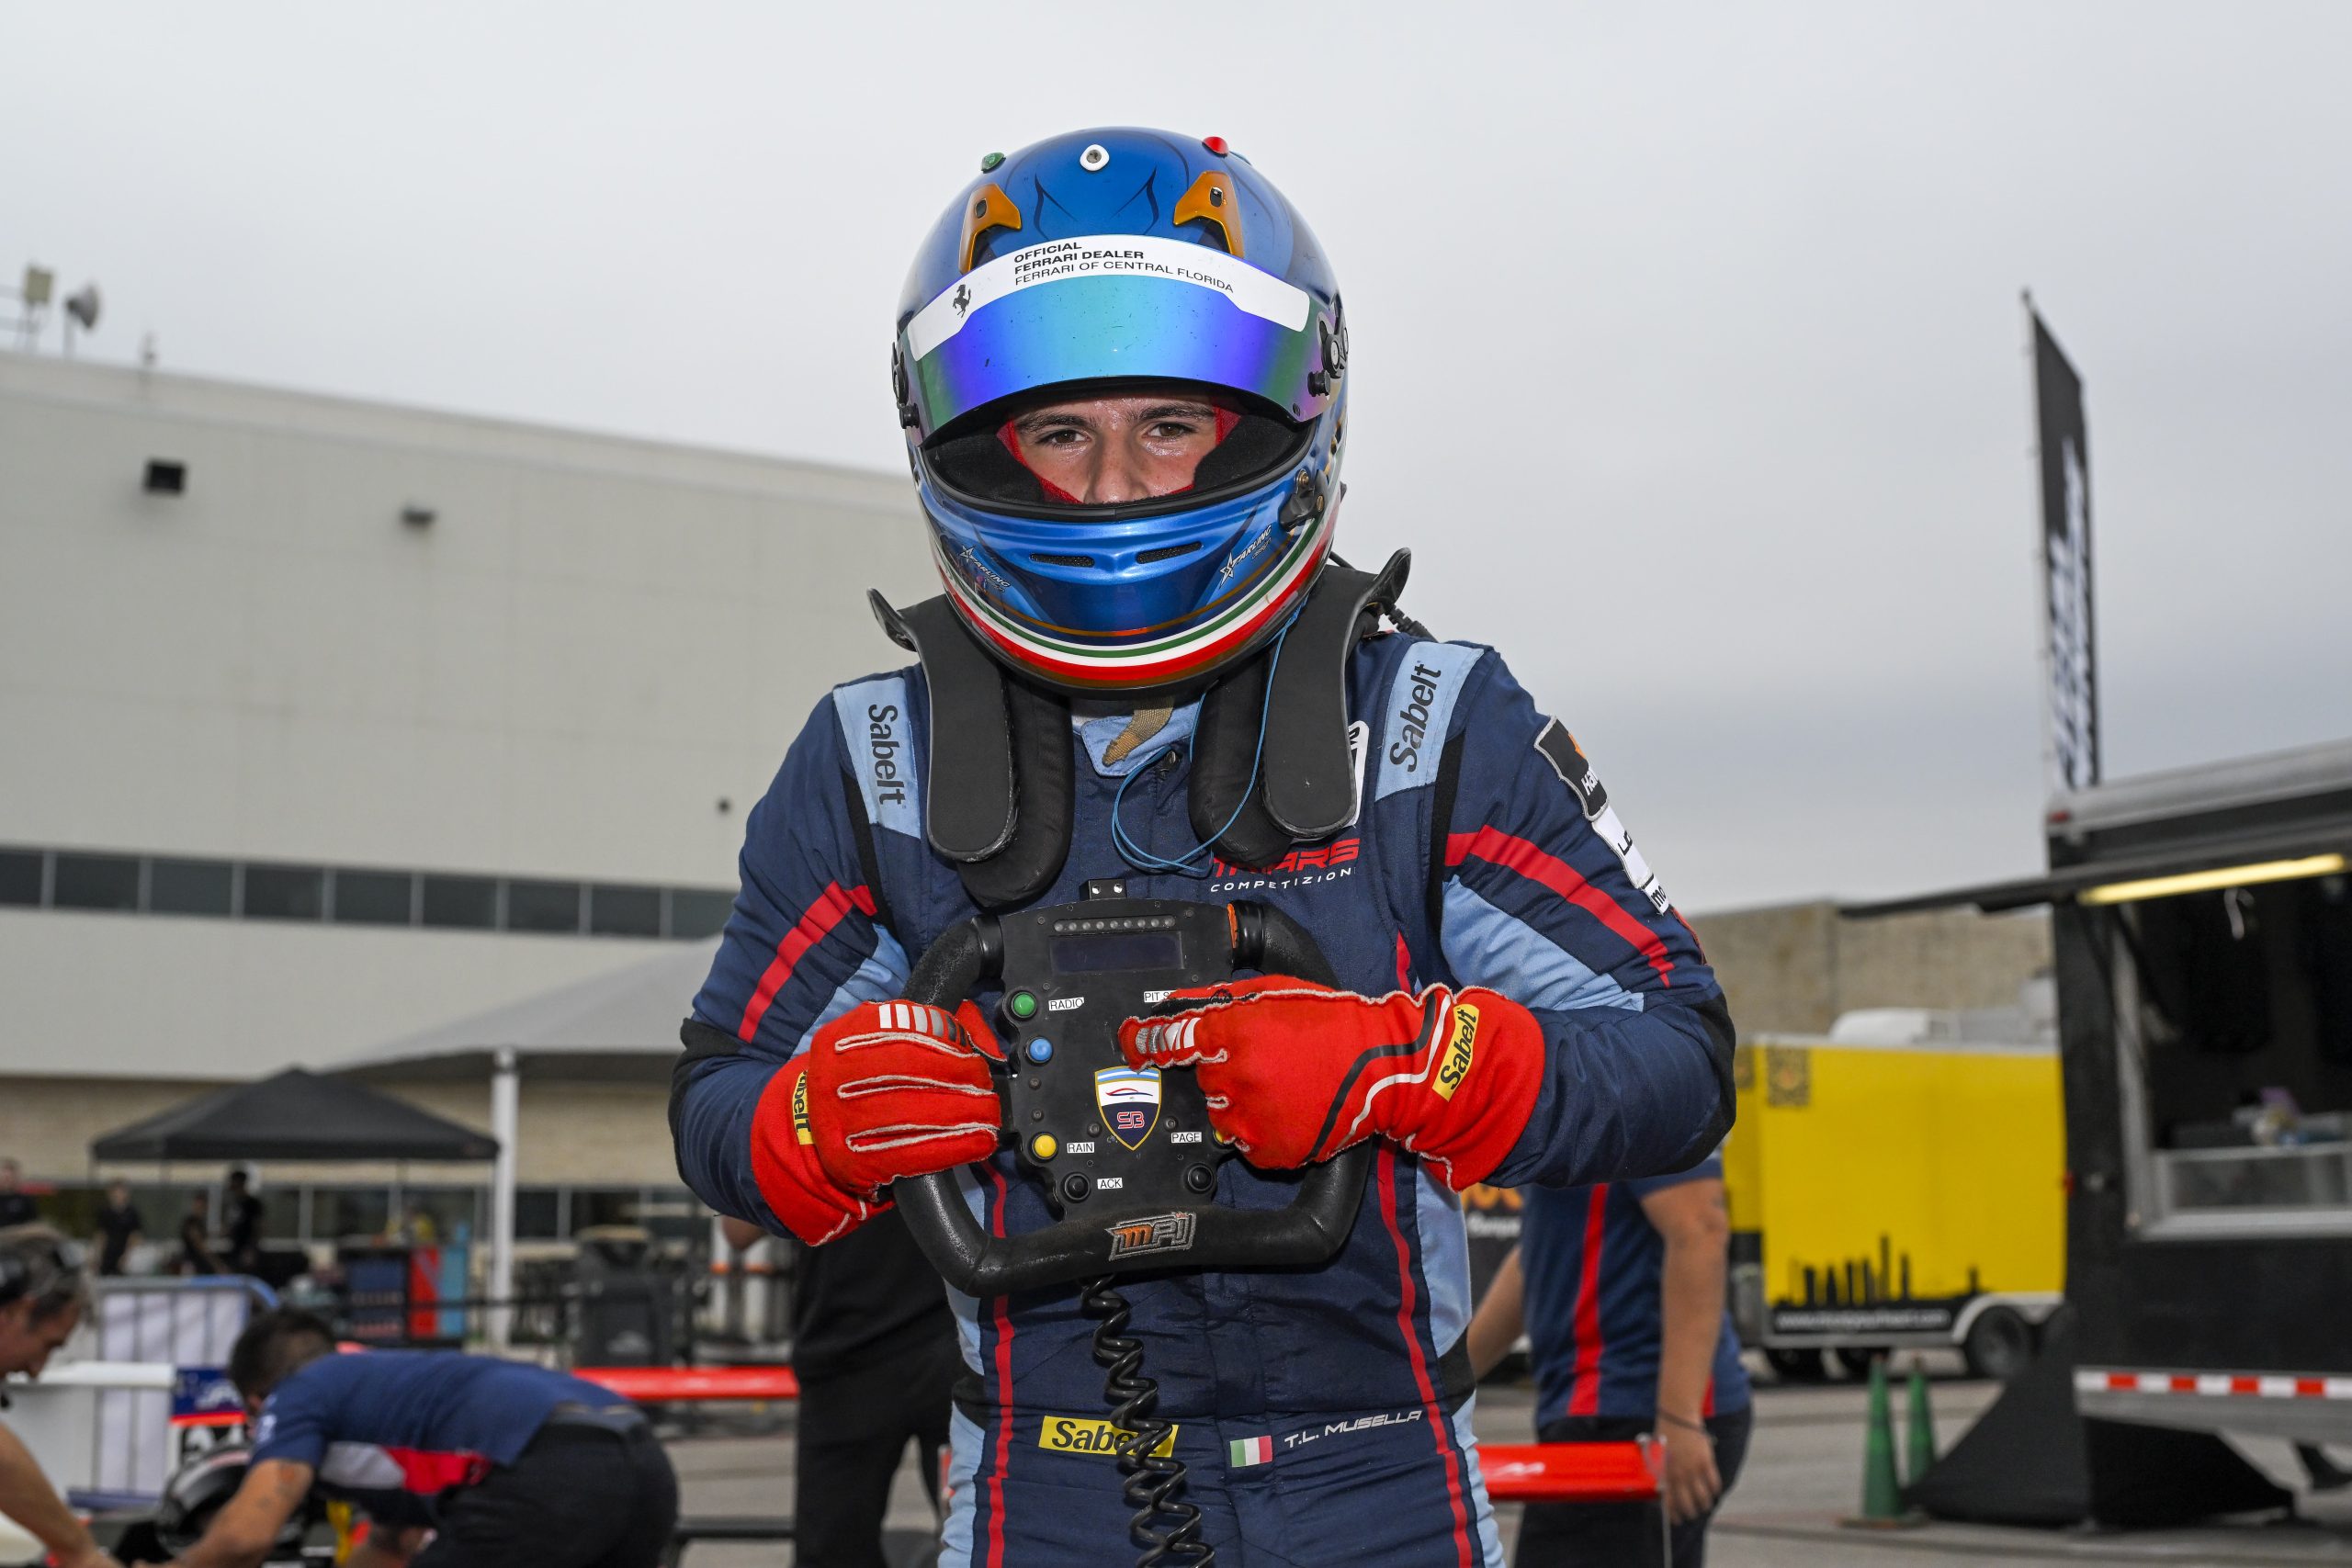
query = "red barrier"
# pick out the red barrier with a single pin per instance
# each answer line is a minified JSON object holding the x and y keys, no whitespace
{"x":1570,"y":1473}
{"x":672,"y":1386}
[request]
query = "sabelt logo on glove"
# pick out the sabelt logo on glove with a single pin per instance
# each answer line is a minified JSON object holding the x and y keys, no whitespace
{"x":1458,"y":1044}
{"x":800,"y":1111}
{"x":1293,"y":1072}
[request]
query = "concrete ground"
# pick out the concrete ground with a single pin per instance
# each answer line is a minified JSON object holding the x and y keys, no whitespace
{"x":1804,"y":1474}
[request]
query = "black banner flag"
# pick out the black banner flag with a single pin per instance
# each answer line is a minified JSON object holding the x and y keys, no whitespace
{"x":2067,"y":650}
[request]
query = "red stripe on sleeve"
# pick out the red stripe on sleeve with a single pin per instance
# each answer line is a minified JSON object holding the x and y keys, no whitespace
{"x":1499,"y":848}
{"x":814,"y":926}
{"x":1583,"y":1390}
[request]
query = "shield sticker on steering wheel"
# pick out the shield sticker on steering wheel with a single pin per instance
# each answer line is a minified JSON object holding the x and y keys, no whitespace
{"x":1129,"y":1099}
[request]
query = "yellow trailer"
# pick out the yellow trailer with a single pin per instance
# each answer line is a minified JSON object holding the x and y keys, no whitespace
{"x":1888,"y":1196}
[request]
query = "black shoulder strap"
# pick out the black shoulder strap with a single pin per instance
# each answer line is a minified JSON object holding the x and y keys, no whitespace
{"x":1306,"y":781}
{"x":1309,"y":779}
{"x":1043,"y":760}
{"x":869,"y":863}
{"x":998,"y":791}
{"x":1000,"y":795}
{"x":1226,"y":813}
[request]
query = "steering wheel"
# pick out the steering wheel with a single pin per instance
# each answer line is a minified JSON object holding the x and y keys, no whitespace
{"x":1117,"y":957}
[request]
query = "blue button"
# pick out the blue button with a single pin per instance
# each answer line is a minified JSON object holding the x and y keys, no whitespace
{"x":1041,"y":1050}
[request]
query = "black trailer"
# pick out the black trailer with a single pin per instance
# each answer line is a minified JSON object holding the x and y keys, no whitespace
{"x":2201,"y":927}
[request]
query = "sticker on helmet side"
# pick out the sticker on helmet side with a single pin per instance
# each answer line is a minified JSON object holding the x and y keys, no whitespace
{"x":1259,"y":293}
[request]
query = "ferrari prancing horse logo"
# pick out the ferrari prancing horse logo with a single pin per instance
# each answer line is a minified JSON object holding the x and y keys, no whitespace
{"x":1129,"y":1099}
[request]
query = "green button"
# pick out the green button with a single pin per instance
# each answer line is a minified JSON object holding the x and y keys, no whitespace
{"x":1020,"y":1005}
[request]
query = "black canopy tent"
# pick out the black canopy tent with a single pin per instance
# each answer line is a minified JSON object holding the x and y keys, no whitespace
{"x":296,"y":1115}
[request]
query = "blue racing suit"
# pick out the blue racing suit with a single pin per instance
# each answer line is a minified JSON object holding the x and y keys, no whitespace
{"x":1323,"y":1414}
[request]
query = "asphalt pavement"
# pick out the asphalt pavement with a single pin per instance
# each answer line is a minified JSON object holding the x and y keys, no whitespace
{"x":1804,"y":1477}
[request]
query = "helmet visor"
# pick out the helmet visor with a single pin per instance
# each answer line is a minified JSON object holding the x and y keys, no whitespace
{"x":1118,"y":306}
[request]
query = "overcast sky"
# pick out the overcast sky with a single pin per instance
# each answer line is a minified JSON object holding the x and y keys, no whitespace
{"x":1687,"y":351}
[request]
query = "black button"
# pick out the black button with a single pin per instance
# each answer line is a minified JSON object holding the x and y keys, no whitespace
{"x":1075,"y":1187}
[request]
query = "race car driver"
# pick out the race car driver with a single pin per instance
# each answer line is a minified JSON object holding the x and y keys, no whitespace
{"x":459,"y":1462}
{"x":1122,"y":364}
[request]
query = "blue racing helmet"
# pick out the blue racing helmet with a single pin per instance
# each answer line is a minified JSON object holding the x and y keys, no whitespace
{"x":1094,"y":264}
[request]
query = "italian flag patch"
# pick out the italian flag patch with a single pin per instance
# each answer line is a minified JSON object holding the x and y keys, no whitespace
{"x":1246,"y":1452}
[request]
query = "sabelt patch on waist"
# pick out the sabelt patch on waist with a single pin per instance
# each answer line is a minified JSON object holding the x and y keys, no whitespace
{"x":1077,"y":1434}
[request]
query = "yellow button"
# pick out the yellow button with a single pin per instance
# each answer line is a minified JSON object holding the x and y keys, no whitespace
{"x":1044,"y":1146}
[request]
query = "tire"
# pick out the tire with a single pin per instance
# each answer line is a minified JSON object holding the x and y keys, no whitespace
{"x":1856,"y":1360}
{"x":1796,"y":1365}
{"x":2000,"y":1344}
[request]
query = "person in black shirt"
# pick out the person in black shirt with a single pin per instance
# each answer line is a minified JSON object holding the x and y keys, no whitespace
{"x":242,"y":1225}
{"x":874,"y":1346}
{"x":120,"y":1229}
{"x":15,"y":1206}
{"x":196,"y":1238}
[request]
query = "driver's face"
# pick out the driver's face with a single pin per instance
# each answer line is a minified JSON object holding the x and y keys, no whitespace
{"x":1107,"y":450}
{"x":25,"y":1346}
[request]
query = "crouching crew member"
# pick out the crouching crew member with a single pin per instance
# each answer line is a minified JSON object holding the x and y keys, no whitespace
{"x":459,"y":1462}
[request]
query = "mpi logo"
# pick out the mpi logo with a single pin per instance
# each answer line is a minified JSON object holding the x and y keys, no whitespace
{"x":1153,"y":1232}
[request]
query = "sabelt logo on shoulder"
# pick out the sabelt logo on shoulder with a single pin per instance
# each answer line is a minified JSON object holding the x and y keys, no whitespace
{"x":1077,"y":1434}
{"x":1153,"y":1232}
{"x":1413,"y":719}
{"x":883,"y":743}
{"x":1460,"y":1040}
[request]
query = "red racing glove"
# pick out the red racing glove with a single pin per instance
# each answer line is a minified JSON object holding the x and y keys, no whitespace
{"x":886,"y":1089}
{"x":1293,"y":1072}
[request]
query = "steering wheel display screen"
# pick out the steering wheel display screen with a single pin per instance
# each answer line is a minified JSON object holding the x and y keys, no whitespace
{"x":1111,"y":950}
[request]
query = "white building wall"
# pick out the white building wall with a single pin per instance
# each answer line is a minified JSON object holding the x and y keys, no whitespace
{"x":594,"y":643}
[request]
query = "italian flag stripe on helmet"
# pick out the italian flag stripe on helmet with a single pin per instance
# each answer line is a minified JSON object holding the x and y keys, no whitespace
{"x":1154,"y":662}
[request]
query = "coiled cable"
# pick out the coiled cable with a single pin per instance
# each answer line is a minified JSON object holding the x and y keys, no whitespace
{"x":1154,"y":1479}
